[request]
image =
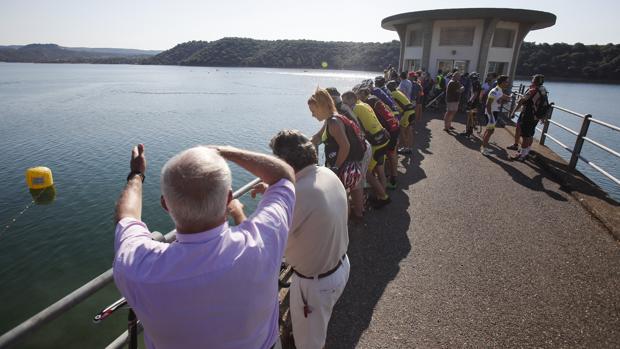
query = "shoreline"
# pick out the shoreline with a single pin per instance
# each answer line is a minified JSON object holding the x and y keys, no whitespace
{"x":517,"y":77}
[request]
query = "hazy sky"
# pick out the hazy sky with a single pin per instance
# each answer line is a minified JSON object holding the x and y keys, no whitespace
{"x":158,"y":24}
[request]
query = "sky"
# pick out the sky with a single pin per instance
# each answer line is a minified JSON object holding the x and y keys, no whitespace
{"x":159,"y":24}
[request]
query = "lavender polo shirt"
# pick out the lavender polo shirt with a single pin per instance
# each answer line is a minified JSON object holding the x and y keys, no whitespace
{"x":214,"y":289}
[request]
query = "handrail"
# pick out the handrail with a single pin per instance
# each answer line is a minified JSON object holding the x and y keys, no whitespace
{"x":609,"y":150}
{"x":573,"y":113}
{"x":74,"y":298}
{"x":564,"y":127}
{"x":53,"y":311}
{"x":603,"y":172}
{"x":603,"y":123}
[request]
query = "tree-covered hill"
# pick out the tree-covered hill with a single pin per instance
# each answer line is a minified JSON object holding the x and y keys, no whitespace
{"x":576,"y":62}
{"x":241,"y":52}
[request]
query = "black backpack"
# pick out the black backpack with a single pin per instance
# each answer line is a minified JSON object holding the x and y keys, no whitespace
{"x":543,"y":107}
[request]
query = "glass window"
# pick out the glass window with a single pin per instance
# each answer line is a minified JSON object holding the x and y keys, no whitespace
{"x":447,"y":65}
{"x":457,"y":36}
{"x":461,"y":66}
{"x":503,"y":37}
{"x":414,"y":38}
{"x":498,"y":67}
{"x":413,"y":64}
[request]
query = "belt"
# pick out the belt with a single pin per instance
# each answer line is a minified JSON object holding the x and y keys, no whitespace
{"x":325,"y":274}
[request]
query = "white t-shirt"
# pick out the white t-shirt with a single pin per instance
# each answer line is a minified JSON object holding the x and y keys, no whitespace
{"x":319,"y":234}
{"x":495,"y":99}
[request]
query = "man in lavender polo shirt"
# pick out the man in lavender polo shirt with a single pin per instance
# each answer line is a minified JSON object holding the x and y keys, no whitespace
{"x":216,"y":286}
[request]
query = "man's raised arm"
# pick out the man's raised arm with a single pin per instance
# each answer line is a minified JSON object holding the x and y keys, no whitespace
{"x":268,"y":168}
{"x":130,"y":202}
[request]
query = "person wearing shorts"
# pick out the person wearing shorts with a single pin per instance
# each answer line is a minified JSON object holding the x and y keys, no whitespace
{"x":527,"y":119}
{"x":453,"y":96}
{"x":494,"y":102}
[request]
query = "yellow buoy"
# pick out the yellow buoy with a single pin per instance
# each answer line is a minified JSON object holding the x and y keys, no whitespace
{"x":324,"y":65}
{"x":39,"y":177}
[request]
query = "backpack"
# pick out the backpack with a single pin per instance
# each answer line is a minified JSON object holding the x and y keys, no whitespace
{"x":542,"y":106}
{"x":355,"y":138}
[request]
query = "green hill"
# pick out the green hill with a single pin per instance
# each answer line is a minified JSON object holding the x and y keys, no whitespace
{"x":241,"y":52}
{"x":576,"y":62}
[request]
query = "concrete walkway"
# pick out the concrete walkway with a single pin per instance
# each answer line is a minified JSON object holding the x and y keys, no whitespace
{"x":478,"y":252}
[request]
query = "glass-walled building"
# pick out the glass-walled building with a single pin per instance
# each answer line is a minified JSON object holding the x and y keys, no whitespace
{"x":474,"y":39}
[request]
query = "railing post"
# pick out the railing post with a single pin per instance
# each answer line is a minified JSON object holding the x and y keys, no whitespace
{"x":132,"y":330}
{"x":543,"y":134}
{"x":579,"y":142}
{"x":513,"y":100}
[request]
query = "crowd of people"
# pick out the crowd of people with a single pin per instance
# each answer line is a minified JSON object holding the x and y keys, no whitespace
{"x":216,"y":286}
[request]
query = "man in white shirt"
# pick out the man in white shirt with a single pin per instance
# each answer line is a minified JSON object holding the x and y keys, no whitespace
{"x":317,"y":242}
{"x":494,"y":103}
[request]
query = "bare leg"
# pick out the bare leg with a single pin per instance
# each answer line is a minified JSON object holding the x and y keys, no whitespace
{"x":357,"y":201}
{"x":486,"y":137}
{"x":447,"y":119}
{"x":418,"y":112}
{"x":380,"y":171}
{"x":393,"y":163}
{"x":375,"y":184}
{"x":402,"y":138}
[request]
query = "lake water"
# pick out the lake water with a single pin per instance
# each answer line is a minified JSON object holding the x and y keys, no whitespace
{"x":81,"y":121}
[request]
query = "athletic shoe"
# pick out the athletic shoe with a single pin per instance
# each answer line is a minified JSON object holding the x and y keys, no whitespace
{"x":513,"y":147}
{"x":404,"y":151}
{"x":518,"y":157}
{"x":391,"y":186}
{"x":485,"y":151}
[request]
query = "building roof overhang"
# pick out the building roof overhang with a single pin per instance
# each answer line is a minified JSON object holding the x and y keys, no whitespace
{"x":537,"y":19}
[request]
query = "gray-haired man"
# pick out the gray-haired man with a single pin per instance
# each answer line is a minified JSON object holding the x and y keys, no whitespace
{"x":318,"y":240}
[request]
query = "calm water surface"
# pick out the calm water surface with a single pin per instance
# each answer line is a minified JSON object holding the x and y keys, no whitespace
{"x":81,"y":121}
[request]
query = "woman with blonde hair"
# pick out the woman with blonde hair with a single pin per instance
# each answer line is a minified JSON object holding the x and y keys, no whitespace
{"x":344,"y":145}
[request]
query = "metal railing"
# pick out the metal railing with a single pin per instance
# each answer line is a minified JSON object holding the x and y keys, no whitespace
{"x":74,"y":298}
{"x":581,"y":136}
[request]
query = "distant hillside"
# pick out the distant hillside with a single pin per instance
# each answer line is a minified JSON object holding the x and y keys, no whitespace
{"x":177,"y":54}
{"x":571,"y":62}
{"x":120,"y":52}
{"x":576,"y":62}
{"x":241,"y":52}
{"x":52,"y":53}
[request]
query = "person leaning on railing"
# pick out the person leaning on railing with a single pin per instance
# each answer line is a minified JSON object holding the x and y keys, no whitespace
{"x":318,"y":239}
{"x":216,"y":286}
{"x":526,"y":124}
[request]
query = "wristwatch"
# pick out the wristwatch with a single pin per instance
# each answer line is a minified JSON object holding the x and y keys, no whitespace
{"x":135,"y":173}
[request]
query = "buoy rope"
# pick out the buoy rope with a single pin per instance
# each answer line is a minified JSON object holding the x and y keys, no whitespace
{"x":12,"y":220}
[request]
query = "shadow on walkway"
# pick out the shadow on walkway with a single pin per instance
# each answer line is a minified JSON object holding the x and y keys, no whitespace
{"x":500,"y":157}
{"x":376,"y":249}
